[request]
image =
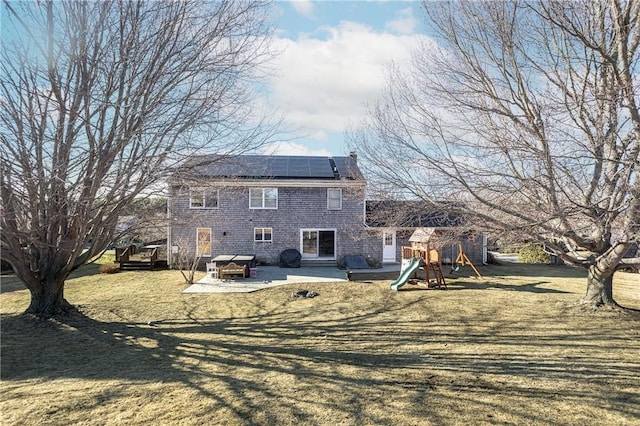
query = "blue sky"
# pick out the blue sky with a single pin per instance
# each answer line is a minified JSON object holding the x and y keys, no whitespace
{"x":332,"y":64}
{"x":305,"y":16}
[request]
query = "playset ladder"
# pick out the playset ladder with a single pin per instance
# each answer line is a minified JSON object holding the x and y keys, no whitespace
{"x":436,"y":267}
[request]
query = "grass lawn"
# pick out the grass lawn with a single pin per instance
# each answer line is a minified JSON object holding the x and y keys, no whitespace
{"x":514,"y":348}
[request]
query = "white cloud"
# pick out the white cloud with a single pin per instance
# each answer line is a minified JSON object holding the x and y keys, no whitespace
{"x":323,"y":84}
{"x":405,"y":22}
{"x":290,"y":148}
{"x":303,"y":7}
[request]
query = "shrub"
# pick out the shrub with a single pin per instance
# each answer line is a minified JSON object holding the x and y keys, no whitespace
{"x":533,"y":253}
{"x":109,"y":268}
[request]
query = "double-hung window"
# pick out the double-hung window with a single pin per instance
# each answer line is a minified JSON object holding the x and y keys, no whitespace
{"x":334,"y":199}
{"x":201,"y":198}
{"x":263,"y":198}
{"x":264,"y":235}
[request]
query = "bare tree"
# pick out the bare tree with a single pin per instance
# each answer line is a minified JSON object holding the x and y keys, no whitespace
{"x":524,"y":117}
{"x":97,"y":101}
{"x":184,"y":259}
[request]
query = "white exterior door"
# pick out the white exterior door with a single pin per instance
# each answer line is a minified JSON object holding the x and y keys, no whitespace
{"x":389,"y":246}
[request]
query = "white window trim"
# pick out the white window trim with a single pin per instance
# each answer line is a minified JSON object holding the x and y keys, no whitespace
{"x":203,"y":192}
{"x":263,"y":239}
{"x":263,"y":206}
{"x":191,"y":196}
{"x":317,"y":256}
{"x":328,"y":199}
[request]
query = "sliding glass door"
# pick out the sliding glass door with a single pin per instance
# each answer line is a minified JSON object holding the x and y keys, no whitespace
{"x":318,"y":243}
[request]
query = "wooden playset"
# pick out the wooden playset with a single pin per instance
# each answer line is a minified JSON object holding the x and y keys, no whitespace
{"x":423,"y":255}
{"x":430,"y":258}
{"x":430,"y":261}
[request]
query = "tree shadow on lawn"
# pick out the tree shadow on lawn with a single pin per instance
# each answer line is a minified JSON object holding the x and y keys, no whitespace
{"x":466,"y":279}
{"x":524,"y":270}
{"x":344,"y":364}
{"x":176,"y":351}
{"x":10,"y":282}
{"x":484,"y":285}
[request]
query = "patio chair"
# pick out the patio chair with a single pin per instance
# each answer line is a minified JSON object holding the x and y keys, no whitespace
{"x":212,"y":270}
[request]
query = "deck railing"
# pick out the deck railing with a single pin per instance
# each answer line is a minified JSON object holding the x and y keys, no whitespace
{"x":427,"y":255}
{"x":154,"y":257}
{"x":123,"y":254}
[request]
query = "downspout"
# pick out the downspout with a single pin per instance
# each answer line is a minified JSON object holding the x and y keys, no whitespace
{"x":365,"y":235}
{"x":169,"y":222}
{"x":485,"y":245}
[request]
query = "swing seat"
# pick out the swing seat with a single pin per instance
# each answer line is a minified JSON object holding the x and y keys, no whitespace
{"x":463,"y":260}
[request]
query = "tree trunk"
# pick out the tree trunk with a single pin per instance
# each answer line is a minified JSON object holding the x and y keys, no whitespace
{"x":599,"y":288}
{"x":47,"y":299}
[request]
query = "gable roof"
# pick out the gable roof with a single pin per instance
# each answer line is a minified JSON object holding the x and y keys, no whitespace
{"x":407,"y":214}
{"x":274,"y":167}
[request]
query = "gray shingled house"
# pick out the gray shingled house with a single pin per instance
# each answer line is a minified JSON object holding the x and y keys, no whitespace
{"x":260,"y":205}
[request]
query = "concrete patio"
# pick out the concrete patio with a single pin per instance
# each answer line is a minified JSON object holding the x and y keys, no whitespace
{"x":271,"y":276}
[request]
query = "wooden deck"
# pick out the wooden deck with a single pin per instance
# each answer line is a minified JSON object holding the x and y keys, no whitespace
{"x":130,"y":259}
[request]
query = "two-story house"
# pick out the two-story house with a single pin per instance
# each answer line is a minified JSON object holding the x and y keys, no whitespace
{"x":262,"y":205}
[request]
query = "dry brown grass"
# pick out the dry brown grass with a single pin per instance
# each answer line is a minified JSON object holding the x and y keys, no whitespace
{"x":514,"y":348}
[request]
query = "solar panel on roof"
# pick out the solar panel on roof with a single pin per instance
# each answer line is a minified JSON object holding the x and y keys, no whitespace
{"x":346,"y":167}
{"x":276,"y":166}
{"x":280,"y":166}
{"x":320,"y":167}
